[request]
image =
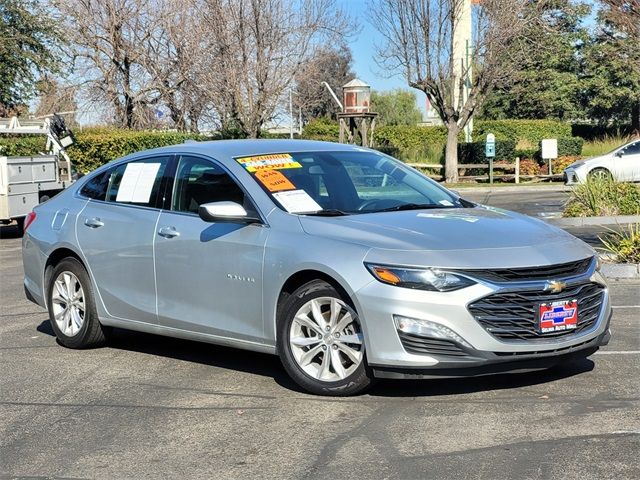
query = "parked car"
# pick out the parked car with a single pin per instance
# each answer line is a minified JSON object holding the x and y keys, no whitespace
{"x":343,"y":261}
{"x":621,"y":164}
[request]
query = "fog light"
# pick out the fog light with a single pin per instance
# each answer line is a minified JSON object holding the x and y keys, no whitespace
{"x":425,"y":328}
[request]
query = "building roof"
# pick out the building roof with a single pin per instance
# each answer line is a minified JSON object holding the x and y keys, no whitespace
{"x":356,"y":82}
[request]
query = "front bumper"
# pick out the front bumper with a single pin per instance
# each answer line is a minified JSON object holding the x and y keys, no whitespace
{"x":478,"y":363}
{"x":389,"y":355}
{"x":572,"y":176}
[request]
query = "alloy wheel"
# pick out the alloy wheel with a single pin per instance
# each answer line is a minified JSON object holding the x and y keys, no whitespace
{"x":326,"y":340}
{"x":68,"y":301}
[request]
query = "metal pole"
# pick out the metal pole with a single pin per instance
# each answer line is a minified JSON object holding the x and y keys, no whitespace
{"x":291,"y":113}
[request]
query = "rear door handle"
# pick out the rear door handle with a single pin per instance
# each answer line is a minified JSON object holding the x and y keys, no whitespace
{"x":94,"y":222}
{"x":168,"y":232}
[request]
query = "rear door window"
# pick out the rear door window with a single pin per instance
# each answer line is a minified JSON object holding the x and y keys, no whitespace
{"x":138,"y":182}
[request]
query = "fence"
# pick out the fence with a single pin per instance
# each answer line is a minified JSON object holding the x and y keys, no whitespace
{"x":490,"y":167}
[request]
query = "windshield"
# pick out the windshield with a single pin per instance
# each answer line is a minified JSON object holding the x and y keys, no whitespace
{"x":344,"y":183}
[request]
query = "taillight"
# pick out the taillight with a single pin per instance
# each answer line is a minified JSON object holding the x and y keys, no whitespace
{"x":28,"y":221}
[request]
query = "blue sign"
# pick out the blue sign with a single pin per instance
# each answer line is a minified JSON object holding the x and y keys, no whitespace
{"x":490,"y":146}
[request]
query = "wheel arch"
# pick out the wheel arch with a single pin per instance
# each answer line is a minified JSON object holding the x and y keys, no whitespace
{"x":54,"y":258}
{"x":306,"y":275}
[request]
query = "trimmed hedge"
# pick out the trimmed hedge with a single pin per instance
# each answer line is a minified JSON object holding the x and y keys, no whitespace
{"x":532,"y":131}
{"x":474,"y":152}
{"x":95,"y":147}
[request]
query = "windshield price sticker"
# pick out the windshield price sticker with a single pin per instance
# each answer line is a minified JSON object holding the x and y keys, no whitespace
{"x":297,"y":201}
{"x":274,"y":180}
{"x":277,"y":161}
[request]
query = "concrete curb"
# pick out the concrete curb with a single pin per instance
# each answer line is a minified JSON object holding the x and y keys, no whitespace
{"x":510,"y":189}
{"x":621,"y":271}
{"x":593,"y":221}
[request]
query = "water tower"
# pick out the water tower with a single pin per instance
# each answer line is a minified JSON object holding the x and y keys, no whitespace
{"x":357,"y":122}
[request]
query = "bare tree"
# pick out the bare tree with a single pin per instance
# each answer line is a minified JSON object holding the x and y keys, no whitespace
{"x":255,"y":48}
{"x":330,"y":64}
{"x":625,"y":15}
{"x":108,"y":37}
{"x":419,"y":41}
{"x":54,"y":97}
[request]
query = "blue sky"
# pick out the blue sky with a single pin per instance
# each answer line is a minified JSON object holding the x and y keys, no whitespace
{"x":363,"y":47}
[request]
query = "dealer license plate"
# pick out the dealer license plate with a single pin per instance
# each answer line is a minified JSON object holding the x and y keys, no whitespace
{"x":558,"y":316}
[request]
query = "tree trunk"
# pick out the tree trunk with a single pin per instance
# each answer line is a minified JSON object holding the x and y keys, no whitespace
{"x":451,"y":153}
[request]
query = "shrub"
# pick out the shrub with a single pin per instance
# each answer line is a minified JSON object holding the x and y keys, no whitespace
{"x":569,"y":146}
{"x":475,"y":152}
{"x":530,"y":153}
{"x":321,"y":129}
{"x":529,"y":167}
{"x":624,"y":244}
{"x":598,"y":197}
{"x":560,"y":163}
{"x":531,"y":131}
{"x":95,"y":147}
{"x":602,"y":146}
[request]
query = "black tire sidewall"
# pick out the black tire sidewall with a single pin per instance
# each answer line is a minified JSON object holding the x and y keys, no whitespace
{"x":86,"y":336}
{"x":355,"y":383}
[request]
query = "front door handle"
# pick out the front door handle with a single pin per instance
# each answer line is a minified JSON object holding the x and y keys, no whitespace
{"x":94,"y":222}
{"x":168,"y":232}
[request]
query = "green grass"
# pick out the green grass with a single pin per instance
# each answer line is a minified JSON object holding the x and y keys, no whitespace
{"x":603,"y":145}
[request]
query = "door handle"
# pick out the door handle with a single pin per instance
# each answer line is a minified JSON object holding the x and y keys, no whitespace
{"x":168,"y":232}
{"x":94,"y":222}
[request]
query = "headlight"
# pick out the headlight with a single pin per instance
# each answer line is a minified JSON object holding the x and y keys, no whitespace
{"x":431,"y":279}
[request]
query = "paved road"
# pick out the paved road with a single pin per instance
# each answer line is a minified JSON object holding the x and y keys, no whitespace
{"x":542,"y":204}
{"x":153,"y":407}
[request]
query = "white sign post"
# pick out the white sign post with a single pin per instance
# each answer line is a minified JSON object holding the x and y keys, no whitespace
{"x":549,"y":150}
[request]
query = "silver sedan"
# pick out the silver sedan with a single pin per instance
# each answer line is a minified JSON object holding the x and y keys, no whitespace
{"x":346,"y":263}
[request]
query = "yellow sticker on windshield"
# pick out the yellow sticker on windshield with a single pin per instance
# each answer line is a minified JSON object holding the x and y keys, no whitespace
{"x":276,"y":161}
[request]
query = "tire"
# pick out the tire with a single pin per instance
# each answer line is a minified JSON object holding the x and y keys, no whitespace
{"x":338,"y":354}
{"x":600,"y":174}
{"x":44,"y":198}
{"x":76,"y":325}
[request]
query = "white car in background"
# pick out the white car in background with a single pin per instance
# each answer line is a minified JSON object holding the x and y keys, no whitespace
{"x":622,"y":164}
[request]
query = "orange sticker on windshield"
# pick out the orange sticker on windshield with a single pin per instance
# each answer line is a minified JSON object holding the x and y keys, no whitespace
{"x":274,"y":180}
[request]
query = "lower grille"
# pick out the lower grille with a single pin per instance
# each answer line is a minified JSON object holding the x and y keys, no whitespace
{"x":429,"y":346}
{"x":513,"y":316}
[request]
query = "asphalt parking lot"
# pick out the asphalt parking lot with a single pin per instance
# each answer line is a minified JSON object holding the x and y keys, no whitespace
{"x":154,"y":407}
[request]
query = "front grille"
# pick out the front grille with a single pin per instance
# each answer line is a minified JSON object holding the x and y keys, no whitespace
{"x":512,"y":315}
{"x":429,"y":346}
{"x":561,"y":270}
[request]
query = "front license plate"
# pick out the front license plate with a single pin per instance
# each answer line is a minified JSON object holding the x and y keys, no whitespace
{"x":558,"y":316}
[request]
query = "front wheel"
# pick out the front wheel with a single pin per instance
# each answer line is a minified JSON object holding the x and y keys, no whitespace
{"x":320,"y":342}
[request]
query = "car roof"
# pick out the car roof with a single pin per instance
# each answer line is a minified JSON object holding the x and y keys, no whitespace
{"x":242,"y":148}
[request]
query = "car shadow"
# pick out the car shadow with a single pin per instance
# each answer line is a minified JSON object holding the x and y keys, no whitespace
{"x":10,"y":231}
{"x":269,"y":366}
{"x":196,"y":352}
{"x":457,"y":386}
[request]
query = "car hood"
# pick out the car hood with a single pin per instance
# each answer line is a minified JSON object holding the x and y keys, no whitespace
{"x":481,"y":236}
{"x":591,"y":160}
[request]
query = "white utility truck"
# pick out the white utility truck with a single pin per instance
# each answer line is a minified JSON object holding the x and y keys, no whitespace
{"x":27,"y":181}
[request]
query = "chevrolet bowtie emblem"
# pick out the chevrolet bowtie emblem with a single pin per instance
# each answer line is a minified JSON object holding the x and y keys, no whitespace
{"x":554,"y":286}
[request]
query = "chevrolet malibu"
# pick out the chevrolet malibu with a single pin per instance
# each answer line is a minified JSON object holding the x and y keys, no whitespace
{"x":346,"y":263}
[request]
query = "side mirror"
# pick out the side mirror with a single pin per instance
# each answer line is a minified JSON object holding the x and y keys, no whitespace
{"x":619,"y":153}
{"x":230,"y":212}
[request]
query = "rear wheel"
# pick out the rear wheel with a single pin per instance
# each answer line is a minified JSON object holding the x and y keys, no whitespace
{"x":320,"y":342}
{"x":71,"y":305}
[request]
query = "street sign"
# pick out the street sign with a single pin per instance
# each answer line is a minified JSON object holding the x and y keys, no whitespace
{"x":490,"y":146}
{"x":549,"y":148}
